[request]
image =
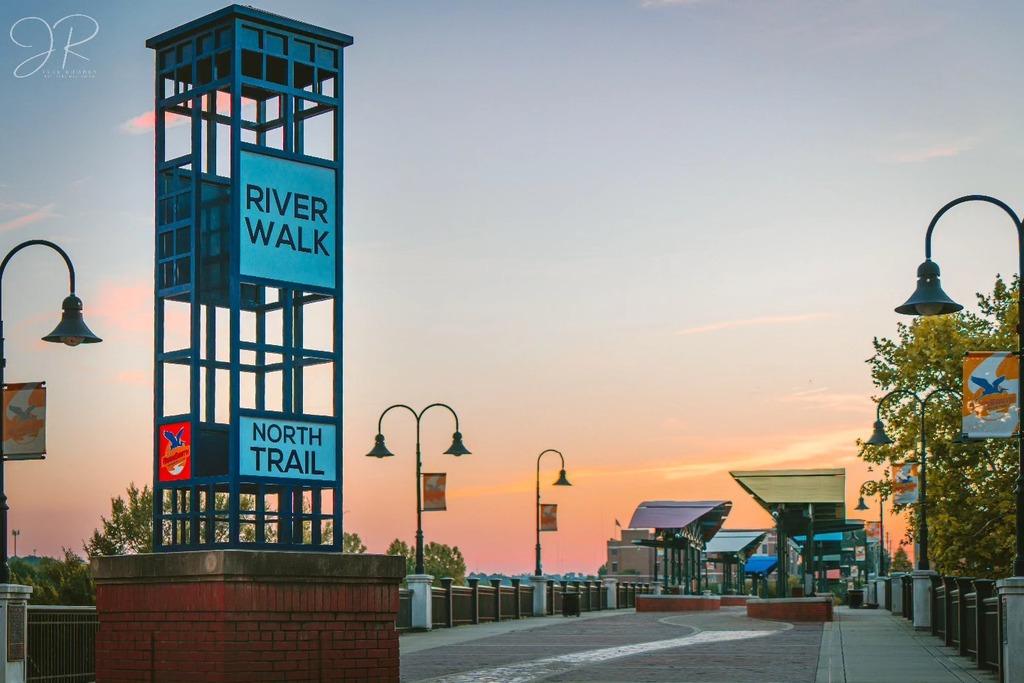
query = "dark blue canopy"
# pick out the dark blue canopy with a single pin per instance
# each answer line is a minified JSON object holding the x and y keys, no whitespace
{"x":761,"y":564}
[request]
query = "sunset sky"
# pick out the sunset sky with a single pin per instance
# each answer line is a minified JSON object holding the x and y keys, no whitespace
{"x":656,"y":235}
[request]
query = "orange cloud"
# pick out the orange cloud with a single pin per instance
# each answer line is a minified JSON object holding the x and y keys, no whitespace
{"x":761,"y":321}
{"x":138,"y":377}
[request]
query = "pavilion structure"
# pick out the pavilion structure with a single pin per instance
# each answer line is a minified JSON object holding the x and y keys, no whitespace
{"x":682,"y":530}
{"x":758,"y":568}
{"x":803,"y":503}
{"x":731,"y":549}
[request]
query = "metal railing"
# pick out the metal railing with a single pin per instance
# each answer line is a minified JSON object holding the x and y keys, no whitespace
{"x":965,"y":615}
{"x":61,"y":644}
{"x":480,"y":603}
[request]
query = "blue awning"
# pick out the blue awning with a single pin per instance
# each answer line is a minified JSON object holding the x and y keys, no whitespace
{"x":833,"y":537}
{"x":761,"y":564}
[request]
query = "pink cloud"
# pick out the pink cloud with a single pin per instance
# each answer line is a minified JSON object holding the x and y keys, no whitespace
{"x":761,"y":321}
{"x":37,"y":214}
{"x":143,"y":123}
{"x":125,"y":307}
{"x":146,"y":121}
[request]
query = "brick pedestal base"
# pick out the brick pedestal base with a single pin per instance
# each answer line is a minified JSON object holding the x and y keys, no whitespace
{"x":735,"y":600}
{"x":678,"y":603}
{"x":253,"y":616}
{"x":791,"y":609}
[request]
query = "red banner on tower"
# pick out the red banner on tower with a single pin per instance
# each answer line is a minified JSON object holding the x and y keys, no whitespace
{"x":548,"y":517}
{"x":175,"y":451}
{"x":433,"y":492}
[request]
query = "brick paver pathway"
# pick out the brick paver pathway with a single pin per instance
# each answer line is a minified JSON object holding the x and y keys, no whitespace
{"x":702,"y":647}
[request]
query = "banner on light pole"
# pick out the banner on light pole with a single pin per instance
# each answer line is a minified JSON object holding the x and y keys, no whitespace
{"x":991,"y":385}
{"x":548,"y":517}
{"x":24,"y":421}
{"x":433,"y":492}
{"x":904,"y":482}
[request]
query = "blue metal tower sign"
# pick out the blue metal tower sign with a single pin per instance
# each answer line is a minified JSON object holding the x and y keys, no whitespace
{"x":248,"y":300}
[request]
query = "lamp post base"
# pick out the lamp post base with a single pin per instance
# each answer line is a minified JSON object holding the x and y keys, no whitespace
{"x":540,"y":596}
{"x":923,"y":598}
{"x":13,"y":629}
{"x":1011,"y":591}
{"x":611,"y":588}
{"x":422,"y":600}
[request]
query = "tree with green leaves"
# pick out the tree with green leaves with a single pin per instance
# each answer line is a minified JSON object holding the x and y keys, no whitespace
{"x":129,"y":530}
{"x":971,"y":518}
{"x":439,"y":560}
{"x":351,"y":543}
{"x":900,"y":561}
{"x":56,"y":582}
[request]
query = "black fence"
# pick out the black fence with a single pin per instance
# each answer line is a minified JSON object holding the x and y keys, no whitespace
{"x":965,"y":616}
{"x":480,"y":603}
{"x":61,"y":644}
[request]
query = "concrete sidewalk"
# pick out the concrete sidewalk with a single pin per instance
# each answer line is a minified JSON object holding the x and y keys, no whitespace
{"x":872,"y":645}
{"x":861,"y":646}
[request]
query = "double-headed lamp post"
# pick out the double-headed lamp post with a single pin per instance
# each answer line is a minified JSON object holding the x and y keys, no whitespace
{"x":71,"y":330}
{"x":870,"y":488}
{"x":381,"y":451}
{"x":929,"y":299}
{"x":562,"y":481}
{"x":880,"y":438}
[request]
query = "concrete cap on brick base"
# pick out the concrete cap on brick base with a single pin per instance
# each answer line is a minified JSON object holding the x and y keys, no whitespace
{"x":248,"y":565}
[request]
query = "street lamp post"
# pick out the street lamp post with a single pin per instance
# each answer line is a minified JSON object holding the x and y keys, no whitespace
{"x":868,"y":487}
{"x":929,"y":299}
{"x":71,"y":330}
{"x":381,"y":451}
{"x":880,"y":438}
{"x":562,"y":481}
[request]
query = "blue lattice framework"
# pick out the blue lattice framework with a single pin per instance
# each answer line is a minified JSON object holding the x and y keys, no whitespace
{"x":248,"y":306}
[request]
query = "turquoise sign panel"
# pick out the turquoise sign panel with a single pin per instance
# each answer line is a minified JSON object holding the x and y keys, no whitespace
{"x":287,"y":449}
{"x":287,"y":223}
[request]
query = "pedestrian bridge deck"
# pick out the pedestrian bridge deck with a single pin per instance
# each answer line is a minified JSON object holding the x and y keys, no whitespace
{"x":860,"y":646}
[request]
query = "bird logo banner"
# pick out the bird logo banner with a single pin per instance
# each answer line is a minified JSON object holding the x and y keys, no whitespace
{"x":433,"y":492}
{"x":24,"y":421}
{"x":175,"y":459}
{"x":904,"y":483}
{"x":874,"y":531}
{"x":991,"y":385}
{"x":548,"y":517}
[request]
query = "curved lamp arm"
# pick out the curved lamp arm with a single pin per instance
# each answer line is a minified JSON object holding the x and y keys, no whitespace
{"x":894,"y":393}
{"x":43,"y":243}
{"x":973,"y":198}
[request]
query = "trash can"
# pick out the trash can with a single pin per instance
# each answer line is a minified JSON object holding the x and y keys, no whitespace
{"x":570,"y":604}
{"x":855,"y":598}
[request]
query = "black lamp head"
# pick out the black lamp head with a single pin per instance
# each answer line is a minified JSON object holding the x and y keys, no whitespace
{"x":562,"y":481}
{"x":879,"y":437}
{"x":457,"y":448}
{"x":928,"y":298}
{"x":861,"y":505}
{"x":72,"y":330}
{"x":379,"y":449}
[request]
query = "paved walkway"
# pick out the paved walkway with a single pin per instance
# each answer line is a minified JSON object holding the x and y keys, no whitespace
{"x":861,"y":646}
